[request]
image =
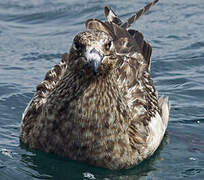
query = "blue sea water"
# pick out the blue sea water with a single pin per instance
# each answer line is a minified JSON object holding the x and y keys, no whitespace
{"x":33,"y":36}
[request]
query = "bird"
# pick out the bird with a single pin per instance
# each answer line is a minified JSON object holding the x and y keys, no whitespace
{"x":99,"y":105}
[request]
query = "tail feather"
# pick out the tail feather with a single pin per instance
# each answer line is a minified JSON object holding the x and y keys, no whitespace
{"x":138,"y":14}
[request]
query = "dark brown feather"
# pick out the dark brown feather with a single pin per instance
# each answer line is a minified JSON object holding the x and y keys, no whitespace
{"x":111,"y":16}
{"x":145,"y":47}
{"x":138,"y":14}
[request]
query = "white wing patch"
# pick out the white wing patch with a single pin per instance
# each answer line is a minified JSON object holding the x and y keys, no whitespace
{"x":165,"y":107}
{"x":158,"y":124}
{"x":157,"y":129}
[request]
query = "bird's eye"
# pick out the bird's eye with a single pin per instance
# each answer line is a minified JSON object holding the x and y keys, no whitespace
{"x":78,"y":46}
{"x":108,"y":45}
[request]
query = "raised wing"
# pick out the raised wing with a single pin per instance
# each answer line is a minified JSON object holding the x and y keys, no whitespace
{"x":111,"y":16}
{"x":138,"y":14}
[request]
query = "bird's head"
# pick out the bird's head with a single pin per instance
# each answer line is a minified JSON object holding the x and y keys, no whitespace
{"x":95,"y":49}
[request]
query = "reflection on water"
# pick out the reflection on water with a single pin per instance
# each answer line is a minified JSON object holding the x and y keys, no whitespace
{"x":49,"y":166}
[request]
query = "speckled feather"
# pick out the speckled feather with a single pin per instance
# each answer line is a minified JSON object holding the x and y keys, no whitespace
{"x":99,"y":104}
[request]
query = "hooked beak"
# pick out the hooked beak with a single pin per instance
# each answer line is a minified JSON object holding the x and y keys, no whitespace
{"x":94,"y":58}
{"x":90,"y":55}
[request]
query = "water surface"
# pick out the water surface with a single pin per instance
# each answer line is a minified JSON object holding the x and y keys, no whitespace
{"x":33,"y":36}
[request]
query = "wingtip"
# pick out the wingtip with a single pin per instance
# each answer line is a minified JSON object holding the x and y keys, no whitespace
{"x":138,"y":14}
{"x":106,"y":10}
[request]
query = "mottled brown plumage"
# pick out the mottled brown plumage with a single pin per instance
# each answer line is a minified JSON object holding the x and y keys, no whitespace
{"x":99,"y":104}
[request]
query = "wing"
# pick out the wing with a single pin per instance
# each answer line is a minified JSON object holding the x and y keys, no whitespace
{"x":138,"y":14}
{"x":52,"y":77}
{"x":43,"y":90}
{"x":135,"y":82}
{"x":145,"y":47}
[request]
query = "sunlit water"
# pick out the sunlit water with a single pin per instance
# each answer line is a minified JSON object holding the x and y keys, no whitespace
{"x":33,"y":36}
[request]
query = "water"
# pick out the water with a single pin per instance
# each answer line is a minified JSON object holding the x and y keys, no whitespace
{"x":33,"y":36}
